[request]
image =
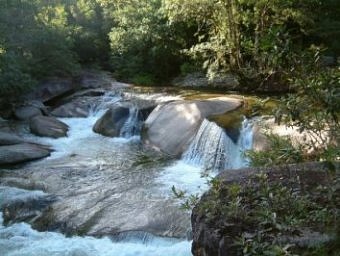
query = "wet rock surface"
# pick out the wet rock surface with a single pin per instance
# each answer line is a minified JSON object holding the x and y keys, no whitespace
{"x":100,"y":197}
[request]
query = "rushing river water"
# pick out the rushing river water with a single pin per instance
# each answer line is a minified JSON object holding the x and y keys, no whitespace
{"x":106,"y":186}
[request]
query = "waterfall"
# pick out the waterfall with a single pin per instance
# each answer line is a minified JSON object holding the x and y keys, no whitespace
{"x":208,"y":147}
{"x":132,"y":125}
{"x":214,"y":150}
{"x":244,"y":143}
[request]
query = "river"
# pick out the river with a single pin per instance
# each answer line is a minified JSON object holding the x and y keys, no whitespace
{"x":110,"y":196}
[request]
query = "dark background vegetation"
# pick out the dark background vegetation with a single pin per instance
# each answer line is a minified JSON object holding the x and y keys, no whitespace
{"x":151,"y":41}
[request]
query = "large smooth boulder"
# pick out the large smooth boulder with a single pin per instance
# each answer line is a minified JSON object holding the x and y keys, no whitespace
{"x":48,"y":127}
{"x":112,"y":121}
{"x":171,"y":127}
{"x":11,"y":154}
{"x":9,"y":138}
{"x":72,"y":109}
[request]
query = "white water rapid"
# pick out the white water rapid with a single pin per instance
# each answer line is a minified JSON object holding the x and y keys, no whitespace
{"x":214,"y":150}
{"x":210,"y":151}
{"x":20,"y":239}
{"x":116,"y":179}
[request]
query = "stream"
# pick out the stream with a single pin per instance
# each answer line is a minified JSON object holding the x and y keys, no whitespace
{"x":97,"y":195}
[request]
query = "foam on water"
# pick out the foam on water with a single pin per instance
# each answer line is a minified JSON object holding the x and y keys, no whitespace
{"x":21,"y":240}
{"x":210,"y":152}
{"x":183,"y":176}
{"x":214,"y":150}
{"x":79,"y":134}
{"x":244,"y":143}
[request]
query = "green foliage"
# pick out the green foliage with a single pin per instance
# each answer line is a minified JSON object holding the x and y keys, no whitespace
{"x":254,"y":38}
{"x":13,"y":77}
{"x":281,"y":151}
{"x":35,"y":41}
{"x":144,"y":42}
{"x":144,"y":79}
{"x":266,"y":210}
{"x":188,"y":68}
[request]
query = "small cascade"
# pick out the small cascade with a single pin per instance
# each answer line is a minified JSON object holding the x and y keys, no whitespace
{"x":107,"y":100}
{"x":214,"y":150}
{"x":208,"y":148}
{"x":132,"y":125}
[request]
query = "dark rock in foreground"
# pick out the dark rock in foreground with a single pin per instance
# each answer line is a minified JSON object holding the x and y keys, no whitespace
{"x":215,"y":235}
{"x":48,"y":127}
{"x":11,"y":154}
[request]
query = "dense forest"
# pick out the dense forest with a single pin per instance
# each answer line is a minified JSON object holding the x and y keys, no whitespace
{"x":150,"y":42}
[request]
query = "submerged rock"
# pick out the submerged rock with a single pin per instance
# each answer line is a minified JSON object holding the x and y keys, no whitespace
{"x":48,"y":127}
{"x":11,"y":154}
{"x":171,"y":127}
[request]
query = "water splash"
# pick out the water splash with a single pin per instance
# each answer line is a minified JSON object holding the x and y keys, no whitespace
{"x":21,"y":239}
{"x":107,"y":100}
{"x":214,"y":150}
{"x":208,"y":147}
{"x":244,"y":143}
{"x":132,"y":125}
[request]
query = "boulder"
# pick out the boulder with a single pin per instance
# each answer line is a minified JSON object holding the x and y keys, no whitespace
{"x":72,"y":109}
{"x":171,"y":127}
{"x":215,"y":235}
{"x":265,"y":125}
{"x":9,"y":138}
{"x":51,"y":89}
{"x":11,"y":154}
{"x":112,"y":121}
{"x":48,"y":127}
{"x":26,"y":112}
